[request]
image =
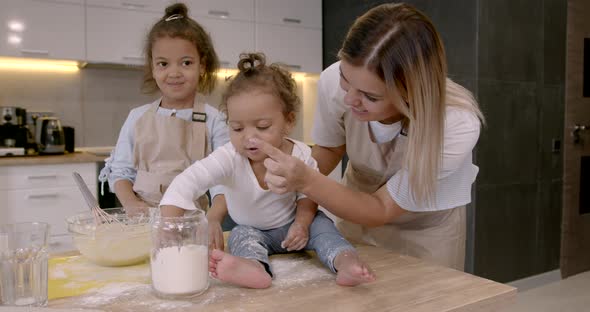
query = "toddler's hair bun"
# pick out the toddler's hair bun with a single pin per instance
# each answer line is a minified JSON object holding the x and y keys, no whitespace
{"x":250,"y":62}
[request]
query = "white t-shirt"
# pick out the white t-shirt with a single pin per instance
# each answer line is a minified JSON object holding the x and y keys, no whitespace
{"x":456,"y":173}
{"x":247,"y":202}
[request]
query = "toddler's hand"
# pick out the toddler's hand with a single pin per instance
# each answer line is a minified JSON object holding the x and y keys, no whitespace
{"x":215,"y":236}
{"x":297,"y":237}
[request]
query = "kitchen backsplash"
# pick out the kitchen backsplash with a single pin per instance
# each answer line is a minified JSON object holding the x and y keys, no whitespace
{"x":96,"y":101}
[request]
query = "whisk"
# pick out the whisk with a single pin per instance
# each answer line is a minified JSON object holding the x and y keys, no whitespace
{"x":100,"y":217}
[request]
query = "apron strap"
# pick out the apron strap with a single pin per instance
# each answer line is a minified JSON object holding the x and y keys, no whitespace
{"x":199,"y":147}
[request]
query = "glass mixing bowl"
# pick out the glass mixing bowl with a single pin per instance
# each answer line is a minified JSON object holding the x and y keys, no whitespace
{"x":114,"y":244}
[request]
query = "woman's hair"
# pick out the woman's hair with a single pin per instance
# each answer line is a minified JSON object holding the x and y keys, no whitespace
{"x":400,"y":45}
{"x":177,"y":24}
{"x":254,"y":74}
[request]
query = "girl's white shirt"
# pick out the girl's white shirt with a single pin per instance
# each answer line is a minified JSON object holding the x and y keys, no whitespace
{"x":461,"y":132}
{"x":247,"y":202}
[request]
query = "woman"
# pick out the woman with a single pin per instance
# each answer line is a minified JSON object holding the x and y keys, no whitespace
{"x":408,"y":131}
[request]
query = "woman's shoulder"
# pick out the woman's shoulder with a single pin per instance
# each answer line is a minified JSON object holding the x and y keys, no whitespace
{"x":461,"y":118}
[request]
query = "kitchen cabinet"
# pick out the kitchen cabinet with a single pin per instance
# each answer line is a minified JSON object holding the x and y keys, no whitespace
{"x":298,"y":48}
{"x":230,"y":38}
{"x":290,"y":32}
{"x":117,"y":35}
{"x":300,"y":13}
{"x":42,"y":29}
{"x":116,"y":32}
{"x":44,"y":193}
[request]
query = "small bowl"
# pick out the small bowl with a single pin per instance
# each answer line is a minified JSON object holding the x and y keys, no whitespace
{"x":112,"y":244}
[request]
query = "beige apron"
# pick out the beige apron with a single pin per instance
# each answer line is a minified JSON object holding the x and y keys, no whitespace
{"x":164,"y":147}
{"x":437,"y":236}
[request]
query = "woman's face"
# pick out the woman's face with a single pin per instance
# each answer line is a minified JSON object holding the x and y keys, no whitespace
{"x":367,"y":95}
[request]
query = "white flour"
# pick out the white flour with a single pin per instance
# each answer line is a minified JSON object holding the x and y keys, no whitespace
{"x":293,"y":271}
{"x":181,"y":270}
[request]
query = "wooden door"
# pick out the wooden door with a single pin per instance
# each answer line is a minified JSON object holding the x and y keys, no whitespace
{"x":575,"y":244}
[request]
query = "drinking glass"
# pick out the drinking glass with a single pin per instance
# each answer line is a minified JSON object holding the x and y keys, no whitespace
{"x":23,"y":264}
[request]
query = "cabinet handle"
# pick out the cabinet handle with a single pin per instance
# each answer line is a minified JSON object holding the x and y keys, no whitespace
{"x":38,"y":52}
{"x":289,"y":20}
{"x":42,"y":177}
{"x":218,"y":13}
{"x":133,"y":5}
{"x":133,"y":57}
{"x":294,"y":66}
{"x":42,"y":196}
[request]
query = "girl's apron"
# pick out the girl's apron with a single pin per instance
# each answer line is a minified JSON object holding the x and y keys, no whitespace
{"x":164,"y":147}
{"x":437,"y":236}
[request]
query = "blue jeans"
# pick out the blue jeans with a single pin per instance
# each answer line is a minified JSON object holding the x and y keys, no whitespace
{"x":252,"y":243}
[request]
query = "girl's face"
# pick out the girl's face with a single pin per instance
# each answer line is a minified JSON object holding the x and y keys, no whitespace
{"x":367,"y":95}
{"x":257,"y":114}
{"x":176,"y":67}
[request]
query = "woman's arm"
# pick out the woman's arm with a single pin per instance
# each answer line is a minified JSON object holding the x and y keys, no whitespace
{"x":327,"y":157}
{"x":286,"y":173}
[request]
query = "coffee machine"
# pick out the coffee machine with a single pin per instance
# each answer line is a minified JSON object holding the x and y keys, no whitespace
{"x":15,"y":137}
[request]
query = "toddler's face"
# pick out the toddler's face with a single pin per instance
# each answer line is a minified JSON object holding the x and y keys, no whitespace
{"x":176,"y":68}
{"x":257,"y":115}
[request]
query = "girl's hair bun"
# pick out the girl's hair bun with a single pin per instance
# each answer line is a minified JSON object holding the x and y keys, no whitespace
{"x":176,"y":8}
{"x":251,"y":63}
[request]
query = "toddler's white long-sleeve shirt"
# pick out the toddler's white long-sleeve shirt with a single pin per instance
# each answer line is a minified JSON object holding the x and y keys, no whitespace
{"x":247,"y":202}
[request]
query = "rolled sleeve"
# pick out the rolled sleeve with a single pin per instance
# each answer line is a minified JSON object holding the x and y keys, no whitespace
{"x":328,"y":126}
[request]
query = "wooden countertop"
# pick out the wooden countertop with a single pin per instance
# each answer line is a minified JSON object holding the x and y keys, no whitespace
{"x":77,"y":157}
{"x":403,"y":284}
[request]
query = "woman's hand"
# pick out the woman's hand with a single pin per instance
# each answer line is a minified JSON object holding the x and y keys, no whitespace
{"x":215,"y":236}
{"x":297,"y":237}
{"x":284,"y":173}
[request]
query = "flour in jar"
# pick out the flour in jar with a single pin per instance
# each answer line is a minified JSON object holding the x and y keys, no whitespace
{"x":181,"y":270}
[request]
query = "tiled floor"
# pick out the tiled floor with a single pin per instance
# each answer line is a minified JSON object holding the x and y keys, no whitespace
{"x":568,"y":295}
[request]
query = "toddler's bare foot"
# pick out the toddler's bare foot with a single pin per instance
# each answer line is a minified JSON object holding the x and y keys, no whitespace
{"x":239,"y":271}
{"x":351,"y":270}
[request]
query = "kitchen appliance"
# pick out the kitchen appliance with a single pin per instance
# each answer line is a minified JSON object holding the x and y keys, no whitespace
{"x":15,"y":137}
{"x":50,"y":135}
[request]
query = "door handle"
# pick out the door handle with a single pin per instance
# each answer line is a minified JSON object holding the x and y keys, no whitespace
{"x":576,"y":132}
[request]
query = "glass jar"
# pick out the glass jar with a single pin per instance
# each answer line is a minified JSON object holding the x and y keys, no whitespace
{"x":180,"y":255}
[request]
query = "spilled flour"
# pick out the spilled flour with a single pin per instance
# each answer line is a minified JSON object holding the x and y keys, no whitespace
{"x":290,"y":271}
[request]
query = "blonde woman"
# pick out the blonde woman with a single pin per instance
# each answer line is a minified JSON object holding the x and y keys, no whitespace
{"x":408,"y":131}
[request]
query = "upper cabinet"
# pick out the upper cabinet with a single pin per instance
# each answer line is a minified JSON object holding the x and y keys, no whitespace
{"x":302,"y":13}
{"x":42,"y":29}
{"x":115,"y":35}
{"x":290,"y":32}
{"x":114,"y":31}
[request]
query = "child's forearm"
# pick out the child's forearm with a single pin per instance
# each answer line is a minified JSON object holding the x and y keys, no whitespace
{"x":218,"y":209}
{"x":306,"y":211}
{"x":125,"y":193}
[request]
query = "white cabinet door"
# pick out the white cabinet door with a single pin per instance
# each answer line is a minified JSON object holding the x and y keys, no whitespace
{"x":242,"y":10}
{"x":42,"y":29}
{"x":298,"y":48}
{"x":51,"y":205}
{"x":230,"y":38}
{"x":156,"y":6}
{"x":117,"y":36}
{"x":45,"y":176}
{"x":303,"y":13}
